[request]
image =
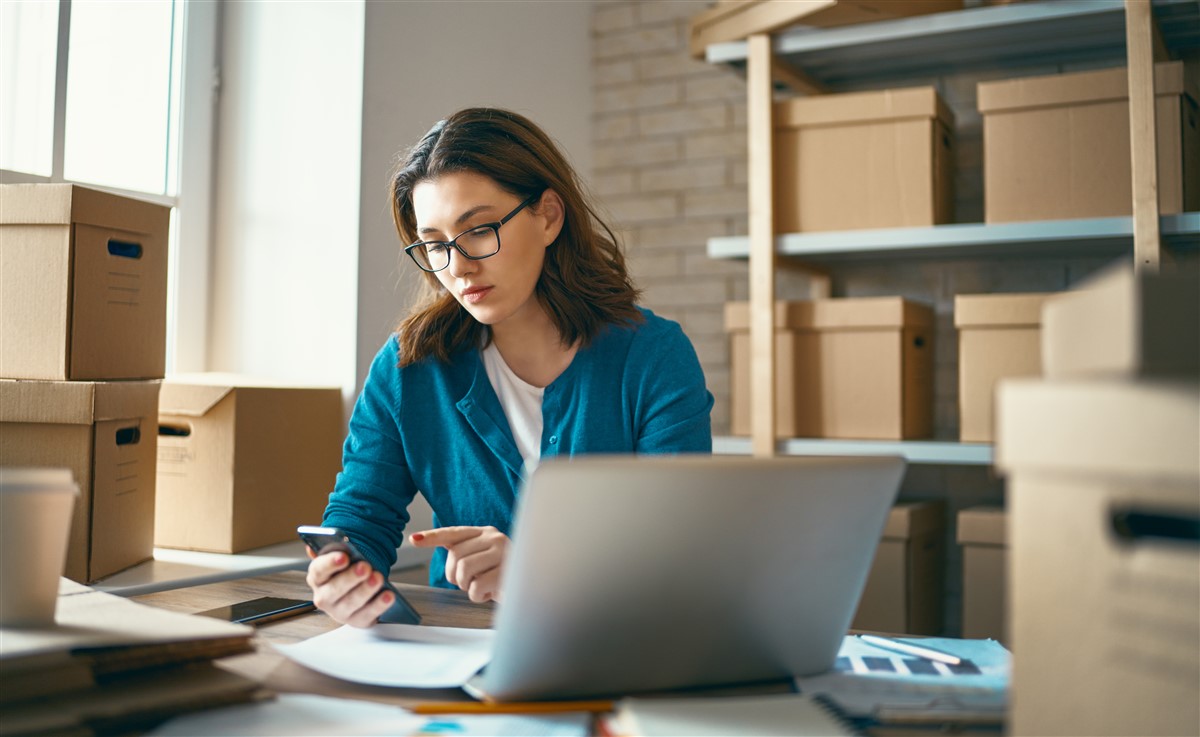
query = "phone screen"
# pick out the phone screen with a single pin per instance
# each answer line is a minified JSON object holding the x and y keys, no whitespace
{"x":261,"y":610}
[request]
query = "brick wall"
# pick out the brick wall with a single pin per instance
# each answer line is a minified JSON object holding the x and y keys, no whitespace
{"x":670,"y":168}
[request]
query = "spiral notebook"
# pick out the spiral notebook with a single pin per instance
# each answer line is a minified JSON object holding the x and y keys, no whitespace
{"x":784,"y":715}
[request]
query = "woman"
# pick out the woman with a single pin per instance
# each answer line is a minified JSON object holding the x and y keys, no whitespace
{"x":526,"y":344}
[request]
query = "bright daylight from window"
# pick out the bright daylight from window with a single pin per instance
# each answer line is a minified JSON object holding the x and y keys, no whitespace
{"x":122,"y":92}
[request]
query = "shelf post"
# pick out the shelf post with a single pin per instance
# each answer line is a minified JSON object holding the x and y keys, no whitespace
{"x":1139,"y":42}
{"x":760,"y":132}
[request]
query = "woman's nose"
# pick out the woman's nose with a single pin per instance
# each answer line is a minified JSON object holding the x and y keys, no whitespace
{"x":460,"y":265}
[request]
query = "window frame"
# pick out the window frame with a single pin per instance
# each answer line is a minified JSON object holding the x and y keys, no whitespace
{"x":188,"y":259}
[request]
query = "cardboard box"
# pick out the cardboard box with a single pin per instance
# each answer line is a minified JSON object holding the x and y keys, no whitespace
{"x":104,"y":432}
{"x":1122,"y":324}
{"x":999,"y":336}
{"x":864,"y":160}
{"x":83,"y":288}
{"x":242,"y":463}
{"x":844,"y":368}
{"x":904,"y":588}
{"x":1104,"y":494}
{"x":984,"y":541}
{"x":1057,"y":147}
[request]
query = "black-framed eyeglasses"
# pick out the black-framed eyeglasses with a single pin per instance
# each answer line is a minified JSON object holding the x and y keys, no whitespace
{"x":478,"y":243}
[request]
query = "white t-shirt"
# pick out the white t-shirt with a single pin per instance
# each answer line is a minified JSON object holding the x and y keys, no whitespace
{"x":522,"y":405}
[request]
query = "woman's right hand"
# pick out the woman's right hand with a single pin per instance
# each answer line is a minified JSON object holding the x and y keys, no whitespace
{"x":347,"y":593}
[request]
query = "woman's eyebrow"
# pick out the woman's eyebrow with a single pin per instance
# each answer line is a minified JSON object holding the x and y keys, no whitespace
{"x":461,"y":218}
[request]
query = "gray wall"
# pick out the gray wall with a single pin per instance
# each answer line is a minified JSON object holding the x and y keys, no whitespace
{"x":423,"y":61}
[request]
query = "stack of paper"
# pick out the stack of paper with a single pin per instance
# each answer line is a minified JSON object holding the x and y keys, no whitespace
{"x":112,"y":665}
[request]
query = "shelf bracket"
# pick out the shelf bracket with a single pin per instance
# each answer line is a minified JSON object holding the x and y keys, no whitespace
{"x":1139,"y":41}
{"x":795,"y":79}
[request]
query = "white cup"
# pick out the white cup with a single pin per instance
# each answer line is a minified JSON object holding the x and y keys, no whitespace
{"x":36,"y":505}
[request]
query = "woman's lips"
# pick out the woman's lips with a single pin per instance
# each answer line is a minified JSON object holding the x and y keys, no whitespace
{"x":475,"y":294}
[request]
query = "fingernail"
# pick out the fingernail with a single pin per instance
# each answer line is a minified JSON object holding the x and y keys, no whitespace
{"x":361,"y":569}
{"x":418,"y":536}
{"x":386,"y":598}
{"x":339,"y":559}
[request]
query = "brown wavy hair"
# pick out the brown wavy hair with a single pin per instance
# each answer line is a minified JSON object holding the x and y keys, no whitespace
{"x":584,"y":283}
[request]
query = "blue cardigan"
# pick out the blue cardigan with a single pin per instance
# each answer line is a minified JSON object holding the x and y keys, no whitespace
{"x":439,"y":428}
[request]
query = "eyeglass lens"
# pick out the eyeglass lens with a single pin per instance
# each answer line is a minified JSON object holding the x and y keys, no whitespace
{"x":477,"y":243}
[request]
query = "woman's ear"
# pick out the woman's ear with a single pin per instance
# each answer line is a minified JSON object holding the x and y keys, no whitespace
{"x":551,"y":212}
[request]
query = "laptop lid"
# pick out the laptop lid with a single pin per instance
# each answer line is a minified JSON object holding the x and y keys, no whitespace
{"x":645,"y":573}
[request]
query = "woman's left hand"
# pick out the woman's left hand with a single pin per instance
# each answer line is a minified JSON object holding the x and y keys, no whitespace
{"x":475,"y":557}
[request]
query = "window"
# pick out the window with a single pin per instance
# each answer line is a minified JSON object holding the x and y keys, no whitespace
{"x":94,"y":92}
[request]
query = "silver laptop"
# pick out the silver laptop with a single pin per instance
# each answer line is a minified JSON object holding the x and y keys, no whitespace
{"x":631,"y":574}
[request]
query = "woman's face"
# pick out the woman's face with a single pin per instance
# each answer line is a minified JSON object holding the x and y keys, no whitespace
{"x":499,"y":288}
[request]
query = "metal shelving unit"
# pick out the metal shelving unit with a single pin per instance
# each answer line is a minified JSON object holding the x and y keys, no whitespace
{"x":1046,"y":238}
{"x":914,"y":451}
{"x":992,"y":37}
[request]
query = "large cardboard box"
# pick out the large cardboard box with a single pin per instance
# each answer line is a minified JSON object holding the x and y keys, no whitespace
{"x":864,"y":160}
{"x":983,"y":536}
{"x":905,"y":585}
{"x":83,"y":284}
{"x":1058,"y":146}
{"x":1122,"y":324}
{"x":999,"y":336}
{"x":844,"y":368}
{"x":1104,"y":494}
{"x":241,"y":463}
{"x":104,"y":432}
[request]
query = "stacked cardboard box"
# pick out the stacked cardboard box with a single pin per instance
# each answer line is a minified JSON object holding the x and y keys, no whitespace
{"x":983,"y":536}
{"x":82,"y":345}
{"x":845,"y":368}
{"x":882,"y":159}
{"x":241,"y":463}
{"x":999,"y":337}
{"x":904,"y":587}
{"x":1103,"y":460}
{"x":1058,"y":146}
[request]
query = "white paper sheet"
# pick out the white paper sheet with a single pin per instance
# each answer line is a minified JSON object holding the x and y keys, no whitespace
{"x":305,"y":715}
{"x":397,"y":654}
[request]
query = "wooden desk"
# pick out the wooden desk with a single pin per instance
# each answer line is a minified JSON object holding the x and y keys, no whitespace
{"x":439,"y":607}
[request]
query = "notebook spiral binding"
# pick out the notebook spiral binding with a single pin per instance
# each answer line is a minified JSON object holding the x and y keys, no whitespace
{"x":835,"y":712}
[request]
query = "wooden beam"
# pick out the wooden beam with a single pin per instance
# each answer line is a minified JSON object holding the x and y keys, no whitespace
{"x":1139,"y":41}
{"x":761,"y":130}
{"x":735,"y":21}
{"x":795,"y":79}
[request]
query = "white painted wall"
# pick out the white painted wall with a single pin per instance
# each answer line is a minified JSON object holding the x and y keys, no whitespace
{"x":285,"y":235}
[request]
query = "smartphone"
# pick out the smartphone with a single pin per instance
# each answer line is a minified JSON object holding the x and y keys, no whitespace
{"x":328,"y":539}
{"x":260,"y":611}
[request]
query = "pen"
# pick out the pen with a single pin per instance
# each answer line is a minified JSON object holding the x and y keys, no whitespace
{"x":491,"y":707}
{"x":909,"y":649}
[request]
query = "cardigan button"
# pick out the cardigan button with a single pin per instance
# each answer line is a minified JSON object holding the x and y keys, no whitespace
{"x":553,"y":439}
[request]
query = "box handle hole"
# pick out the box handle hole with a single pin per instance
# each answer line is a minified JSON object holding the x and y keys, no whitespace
{"x":919,"y":342}
{"x":124,"y":249}
{"x":1132,"y":526}
{"x":129,"y":435}
{"x":174,"y":431}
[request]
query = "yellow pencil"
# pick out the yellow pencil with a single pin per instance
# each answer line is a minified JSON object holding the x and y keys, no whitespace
{"x":517,"y":707}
